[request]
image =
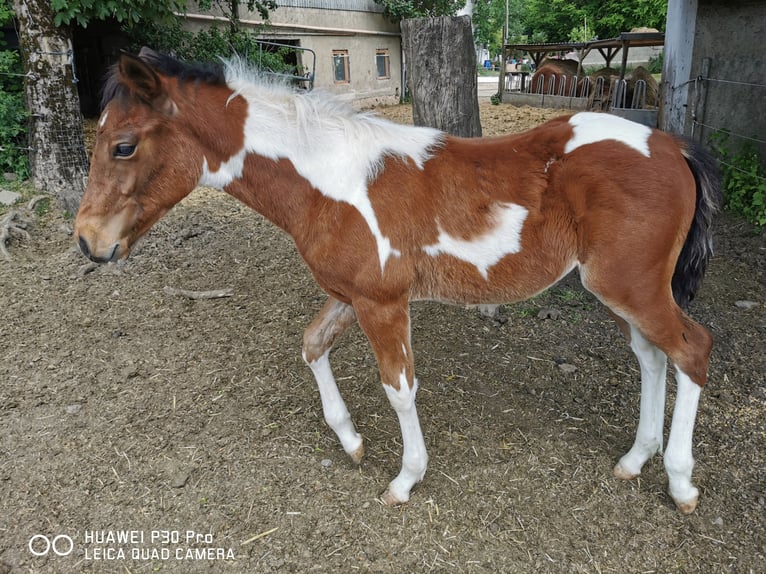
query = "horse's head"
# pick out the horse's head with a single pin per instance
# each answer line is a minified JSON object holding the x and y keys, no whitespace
{"x":144,"y":160}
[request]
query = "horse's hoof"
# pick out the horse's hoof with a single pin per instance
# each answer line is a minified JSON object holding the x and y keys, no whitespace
{"x":357,"y":455}
{"x":687,"y":507}
{"x":623,"y":474}
{"x":390,"y":499}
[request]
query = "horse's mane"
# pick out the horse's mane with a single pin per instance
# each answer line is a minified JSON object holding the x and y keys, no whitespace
{"x":296,"y":119}
{"x":205,"y":72}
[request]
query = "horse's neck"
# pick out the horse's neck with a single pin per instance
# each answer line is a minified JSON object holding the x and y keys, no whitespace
{"x":275,"y":190}
{"x":297,"y":148}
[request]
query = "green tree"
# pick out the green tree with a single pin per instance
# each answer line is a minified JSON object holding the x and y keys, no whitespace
{"x":561,"y":20}
{"x":401,"y":9}
{"x":489,"y":20}
{"x":81,"y":12}
{"x":13,"y":114}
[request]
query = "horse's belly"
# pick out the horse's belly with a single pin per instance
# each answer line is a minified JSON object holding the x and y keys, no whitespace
{"x":512,"y":279}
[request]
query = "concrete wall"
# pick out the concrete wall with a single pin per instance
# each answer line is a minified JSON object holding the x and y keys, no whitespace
{"x":322,"y":26}
{"x":722,"y":40}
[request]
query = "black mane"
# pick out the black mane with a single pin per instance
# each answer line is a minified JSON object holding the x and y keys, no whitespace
{"x":205,"y":72}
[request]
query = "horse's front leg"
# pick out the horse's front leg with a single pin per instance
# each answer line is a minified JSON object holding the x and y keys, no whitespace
{"x":387,"y":327}
{"x":334,"y":318}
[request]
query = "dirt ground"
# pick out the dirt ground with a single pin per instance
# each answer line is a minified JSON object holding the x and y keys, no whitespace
{"x":143,"y":431}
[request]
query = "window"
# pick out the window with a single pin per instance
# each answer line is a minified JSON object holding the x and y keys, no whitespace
{"x":382,"y":63}
{"x":340,"y":65}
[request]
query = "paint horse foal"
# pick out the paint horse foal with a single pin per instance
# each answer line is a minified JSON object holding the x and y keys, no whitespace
{"x":384,"y":214}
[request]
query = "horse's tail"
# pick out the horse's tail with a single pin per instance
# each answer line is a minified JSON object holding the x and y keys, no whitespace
{"x":698,"y":247}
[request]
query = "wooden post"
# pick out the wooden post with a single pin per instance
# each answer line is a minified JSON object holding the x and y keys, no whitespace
{"x":501,"y":79}
{"x":442,"y":74}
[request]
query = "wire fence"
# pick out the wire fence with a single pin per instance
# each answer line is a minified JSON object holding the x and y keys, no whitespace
{"x":712,"y":94}
{"x":66,"y":144}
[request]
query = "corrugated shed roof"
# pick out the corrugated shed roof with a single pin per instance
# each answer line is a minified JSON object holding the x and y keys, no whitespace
{"x":349,"y":5}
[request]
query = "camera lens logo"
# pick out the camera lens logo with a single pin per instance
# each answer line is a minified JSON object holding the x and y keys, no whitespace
{"x":41,"y":545}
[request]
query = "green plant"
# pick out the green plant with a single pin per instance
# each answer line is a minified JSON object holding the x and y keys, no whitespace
{"x":13,"y":116}
{"x":212,"y":44}
{"x":743,"y":178}
{"x":495,"y":99}
{"x":655,"y":63}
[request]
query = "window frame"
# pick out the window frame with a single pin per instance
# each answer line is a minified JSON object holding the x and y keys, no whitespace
{"x":346,"y":66}
{"x":386,"y":55}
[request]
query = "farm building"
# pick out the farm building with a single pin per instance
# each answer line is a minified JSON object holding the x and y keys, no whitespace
{"x":345,"y":46}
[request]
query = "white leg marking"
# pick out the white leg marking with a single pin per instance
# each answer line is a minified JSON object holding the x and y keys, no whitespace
{"x":486,"y":250}
{"x":490,"y":311}
{"x":653,"y":363}
{"x":414,"y":456}
{"x":335,"y":412}
{"x":678,"y":456}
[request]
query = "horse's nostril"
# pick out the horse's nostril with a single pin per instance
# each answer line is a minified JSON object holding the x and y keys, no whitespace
{"x":84,"y":246}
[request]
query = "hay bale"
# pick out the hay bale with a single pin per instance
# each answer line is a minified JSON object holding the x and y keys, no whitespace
{"x":554,"y":72}
{"x":599,"y":99}
{"x":652,"y":88}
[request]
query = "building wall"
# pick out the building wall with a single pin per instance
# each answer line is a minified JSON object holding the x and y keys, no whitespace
{"x":323,"y":26}
{"x":721,"y":41}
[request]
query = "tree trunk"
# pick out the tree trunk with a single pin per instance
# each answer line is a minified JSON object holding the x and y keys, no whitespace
{"x":58,"y":162}
{"x":441,"y":74}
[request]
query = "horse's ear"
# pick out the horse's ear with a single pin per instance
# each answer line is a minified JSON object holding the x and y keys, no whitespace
{"x":145,"y":83}
{"x":146,"y":53}
{"x":139,"y":78}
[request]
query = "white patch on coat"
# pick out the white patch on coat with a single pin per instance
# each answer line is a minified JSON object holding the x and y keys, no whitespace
{"x":592,"y":127}
{"x":102,"y":121}
{"x":485,"y":250}
{"x":336,"y":148}
{"x":228,"y":171}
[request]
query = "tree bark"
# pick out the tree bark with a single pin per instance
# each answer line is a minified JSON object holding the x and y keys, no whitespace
{"x":58,"y":162}
{"x":441,"y":74}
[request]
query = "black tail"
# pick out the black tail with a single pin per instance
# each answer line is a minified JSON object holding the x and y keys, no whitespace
{"x":698,"y":247}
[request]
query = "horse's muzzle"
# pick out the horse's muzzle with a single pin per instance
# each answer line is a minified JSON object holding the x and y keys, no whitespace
{"x":110,"y":256}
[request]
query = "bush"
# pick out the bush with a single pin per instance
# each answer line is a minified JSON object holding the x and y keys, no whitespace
{"x":13,"y":116}
{"x":210,"y":45}
{"x":743,"y":178}
{"x":655,"y":63}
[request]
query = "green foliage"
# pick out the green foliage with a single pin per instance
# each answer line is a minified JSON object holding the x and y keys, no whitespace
{"x":560,"y":19}
{"x":133,"y":12}
{"x":401,"y":9}
{"x":13,"y":111}
{"x":564,"y":20}
{"x":538,"y":21}
{"x":13,"y":132}
{"x":489,"y":19}
{"x":81,"y":12}
{"x":209,"y":45}
{"x":656,"y":63}
{"x":743,"y":177}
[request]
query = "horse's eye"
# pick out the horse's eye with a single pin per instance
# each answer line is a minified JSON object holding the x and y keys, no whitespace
{"x":124,"y":150}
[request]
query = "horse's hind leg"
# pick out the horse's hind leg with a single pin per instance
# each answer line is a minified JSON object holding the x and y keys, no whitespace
{"x":660,"y":328}
{"x":678,"y":455}
{"x":664,"y":329}
{"x":653,"y":364}
{"x":334,"y":318}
